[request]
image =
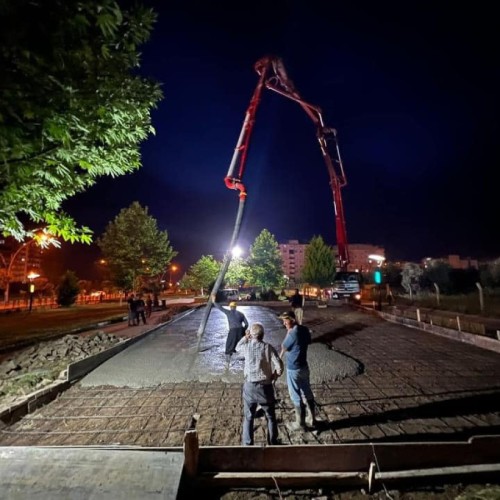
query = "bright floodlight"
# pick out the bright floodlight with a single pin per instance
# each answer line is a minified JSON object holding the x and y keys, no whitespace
{"x":377,"y":258}
{"x":237,"y":251}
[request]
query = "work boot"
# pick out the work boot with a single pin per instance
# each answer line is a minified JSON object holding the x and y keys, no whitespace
{"x":300,"y":419}
{"x":311,"y":416}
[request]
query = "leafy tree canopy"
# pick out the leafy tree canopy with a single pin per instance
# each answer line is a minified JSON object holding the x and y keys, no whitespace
{"x":71,"y":108}
{"x":265,"y":263}
{"x":411,"y":276}
{"x":201,"y":274}
{"x":319,"y":265}
{"x":134,"y":247}
{"x":238,"y":273}
{"x":68,"y":289}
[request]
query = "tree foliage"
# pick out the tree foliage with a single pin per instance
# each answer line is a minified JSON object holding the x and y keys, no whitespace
{"x":202,"y":274}
{"x":490,"y":274}
{"x":437,"y":272}
{"x":265,"y":263}
{"x":411,"y":276}
{"x":134,"y":248}
{"x":68,"y":289}
{"x":71,"y":107}
{"x":319,"y":265}
{"x":238,"y":273}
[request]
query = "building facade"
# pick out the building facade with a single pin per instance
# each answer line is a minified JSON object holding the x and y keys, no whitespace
{"x":20,"y":260}
{"x":293,"y":255}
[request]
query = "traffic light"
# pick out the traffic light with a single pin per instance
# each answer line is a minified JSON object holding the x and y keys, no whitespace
{"x":377,"y":276}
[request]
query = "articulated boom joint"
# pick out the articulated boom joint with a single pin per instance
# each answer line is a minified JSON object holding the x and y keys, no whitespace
{"x":234,"y":183}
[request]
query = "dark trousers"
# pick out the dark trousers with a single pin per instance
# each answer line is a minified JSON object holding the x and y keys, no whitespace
{"x":233,"y":337}
{"x":255,"y":394}
{"x":140,"y":314}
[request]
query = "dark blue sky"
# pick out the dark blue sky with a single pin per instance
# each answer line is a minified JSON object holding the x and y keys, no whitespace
{"x":411,"y":87}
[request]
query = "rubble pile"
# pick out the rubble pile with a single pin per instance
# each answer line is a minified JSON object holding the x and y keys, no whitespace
{"x":41,"y":364}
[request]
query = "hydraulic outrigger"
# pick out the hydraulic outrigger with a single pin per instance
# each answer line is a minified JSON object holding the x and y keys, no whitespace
{"x":273,"y":76}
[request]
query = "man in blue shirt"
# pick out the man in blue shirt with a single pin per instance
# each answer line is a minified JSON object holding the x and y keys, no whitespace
{"x":295,"y":346}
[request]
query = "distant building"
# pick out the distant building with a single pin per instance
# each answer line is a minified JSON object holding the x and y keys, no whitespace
{"x":28,"y":259}
{"x":359,"y":256}
{"x":455,"y":262}
{"x":293,"y":256}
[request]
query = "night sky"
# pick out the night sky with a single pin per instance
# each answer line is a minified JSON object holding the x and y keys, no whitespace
{"x":411,"y":87}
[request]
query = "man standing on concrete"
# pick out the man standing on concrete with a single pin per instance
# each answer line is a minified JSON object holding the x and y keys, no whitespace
{"x":262,"y":367}
{"x":297,"y":303}
{"x":237,"y":325}
{"x":295,"y":346}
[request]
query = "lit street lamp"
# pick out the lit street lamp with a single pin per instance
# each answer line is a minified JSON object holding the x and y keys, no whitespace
{"x":41,"y":238}
{"x":31,"y":276}
{"x":173,"y":268}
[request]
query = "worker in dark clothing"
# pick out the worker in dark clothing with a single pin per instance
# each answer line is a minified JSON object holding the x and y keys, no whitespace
{"x":237,"y":323}
{"x":297,"y":303}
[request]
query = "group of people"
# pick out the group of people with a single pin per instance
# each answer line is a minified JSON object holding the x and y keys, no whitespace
{"x":263,"y":365}
{"x":138,"y":309}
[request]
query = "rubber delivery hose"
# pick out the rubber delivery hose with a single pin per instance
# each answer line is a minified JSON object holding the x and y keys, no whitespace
{"x":224,"y":268}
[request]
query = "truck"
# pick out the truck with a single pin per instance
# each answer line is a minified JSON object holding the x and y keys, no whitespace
{"x":347,"y":285}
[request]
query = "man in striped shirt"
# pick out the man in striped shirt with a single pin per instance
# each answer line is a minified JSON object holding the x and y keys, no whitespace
{"x":262,"y":366}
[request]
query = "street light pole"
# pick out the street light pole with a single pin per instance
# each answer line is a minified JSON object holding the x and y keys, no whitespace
{"x":43,"y":238}
{"x":173,"y":268}
{"x":31,"y":277}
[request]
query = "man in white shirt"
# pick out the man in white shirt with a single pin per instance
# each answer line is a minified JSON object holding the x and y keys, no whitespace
{"x":262,"y":366}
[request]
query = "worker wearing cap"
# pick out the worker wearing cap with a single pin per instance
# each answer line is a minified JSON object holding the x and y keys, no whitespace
{"x":262,"y":366}
{"x":237,"y":325}
{"x":295,"y":346}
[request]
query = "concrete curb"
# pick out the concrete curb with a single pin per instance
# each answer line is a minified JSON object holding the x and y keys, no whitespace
{"x":75,"y":371}
{"x":469,"y":338}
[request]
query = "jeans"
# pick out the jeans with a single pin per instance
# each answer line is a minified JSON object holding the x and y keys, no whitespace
{"x":255,"y":394}
{"x":299,"y":385}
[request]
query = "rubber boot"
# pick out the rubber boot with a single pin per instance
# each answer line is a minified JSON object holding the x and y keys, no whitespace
{"x":311,"y":416}
{"x":300,"y":418}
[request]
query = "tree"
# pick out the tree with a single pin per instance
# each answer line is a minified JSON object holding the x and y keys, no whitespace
{"x":319,"y":265}
{"x":265,"y":263}
{"x":490,"y":274}
{"x":68,"y":289}
{"x":237,"y":273}
{"x":437,"y":272}
{"x":410,"y":277}
{"x":201,"y":274}
{"x":71,"y":107}
{"x":134,"y":248}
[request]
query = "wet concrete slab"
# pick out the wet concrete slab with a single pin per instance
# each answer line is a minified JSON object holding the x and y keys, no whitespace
{"x":174,"y":354}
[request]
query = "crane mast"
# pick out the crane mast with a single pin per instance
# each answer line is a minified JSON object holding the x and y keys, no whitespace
{"x":273,"y":76}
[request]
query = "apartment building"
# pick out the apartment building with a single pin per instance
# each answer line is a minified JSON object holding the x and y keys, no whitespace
{"x":293,"y":256}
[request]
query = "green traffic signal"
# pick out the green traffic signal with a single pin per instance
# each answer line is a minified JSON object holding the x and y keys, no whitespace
{"x":377,"y":276}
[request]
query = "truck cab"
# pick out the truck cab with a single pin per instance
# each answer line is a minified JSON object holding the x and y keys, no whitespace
{"x":347,"y":285}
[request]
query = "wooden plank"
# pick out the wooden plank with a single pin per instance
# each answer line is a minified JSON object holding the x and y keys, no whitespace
{"x":349,"y":457}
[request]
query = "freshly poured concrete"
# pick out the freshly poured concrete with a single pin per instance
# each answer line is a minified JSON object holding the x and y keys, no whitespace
{"x":174,"y":354}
